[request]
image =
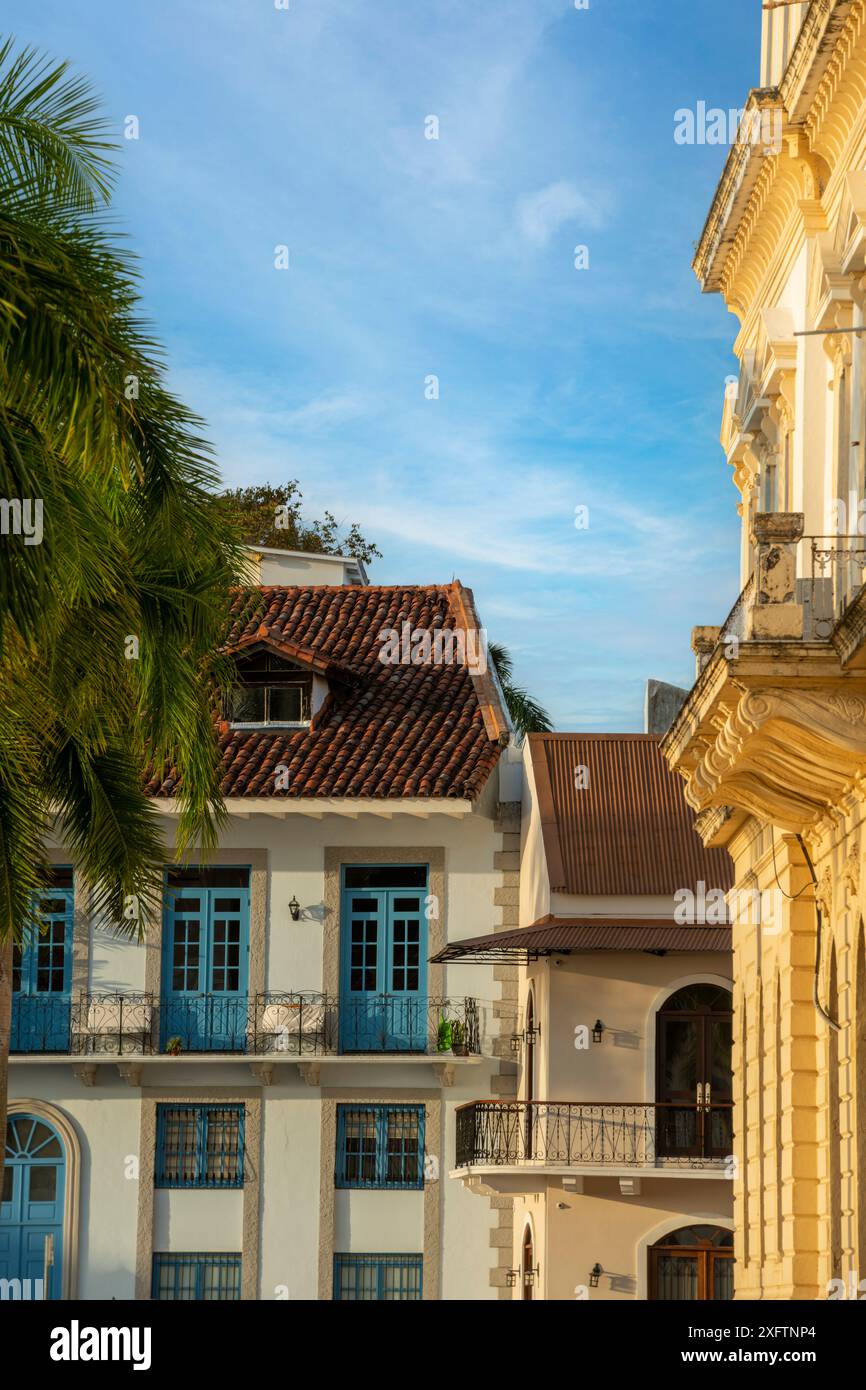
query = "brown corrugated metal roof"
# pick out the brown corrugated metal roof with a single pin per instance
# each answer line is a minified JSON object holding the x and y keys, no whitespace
{"x":630,"y":829}
{"x":563,"y":936}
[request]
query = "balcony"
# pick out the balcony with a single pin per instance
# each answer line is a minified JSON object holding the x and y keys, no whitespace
{"x":274,"y":1026}
{"x":113,"y":1025}
{"x":541,"y":1138}
{"x":775,"y":724}
{"x":41,"y":1023}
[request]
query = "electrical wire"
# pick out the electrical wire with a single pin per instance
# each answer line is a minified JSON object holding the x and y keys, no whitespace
{"x":818,"y":1005}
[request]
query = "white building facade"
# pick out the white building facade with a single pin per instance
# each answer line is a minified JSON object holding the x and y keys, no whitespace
{"x":617,"y":1150}
{"x":259,"y":1101}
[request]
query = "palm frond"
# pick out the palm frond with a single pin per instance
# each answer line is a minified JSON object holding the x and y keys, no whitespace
{"x":52,"y":136}
{"x":527,"y":715}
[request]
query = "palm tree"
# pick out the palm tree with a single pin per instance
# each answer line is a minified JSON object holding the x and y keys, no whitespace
{"x":527,"y":715}
{"x":110,"y":618}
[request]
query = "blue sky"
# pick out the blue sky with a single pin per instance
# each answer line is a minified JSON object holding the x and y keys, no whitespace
{"x":454,"y":257}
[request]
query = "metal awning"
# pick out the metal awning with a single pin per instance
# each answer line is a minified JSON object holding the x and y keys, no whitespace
{"x":563,"y":936}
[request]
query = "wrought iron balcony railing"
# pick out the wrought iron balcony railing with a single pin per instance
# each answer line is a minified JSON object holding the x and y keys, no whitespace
{"x":124,"y":1024}
{"x":838,"y":564}
{"x":117,"y":1024}
{"x":299,"y":1024}
{"x":571,"y":1133}
{"x":40,"y":1023}
{"x":321,"y":1023}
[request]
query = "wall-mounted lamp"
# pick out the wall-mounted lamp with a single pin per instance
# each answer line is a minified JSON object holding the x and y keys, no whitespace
{"x":511,"y":1277}
{"x":598,"y":1030}
{"x":529,"y":1277}
{"x":594,"y":1275}
{"x":529,"y":1036}
{"x":295,"y":909}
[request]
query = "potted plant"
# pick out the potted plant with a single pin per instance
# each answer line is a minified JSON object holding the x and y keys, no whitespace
{"x":174,"y":1047}
{"x":444,"y":1036}
{"x":459,"y":1044}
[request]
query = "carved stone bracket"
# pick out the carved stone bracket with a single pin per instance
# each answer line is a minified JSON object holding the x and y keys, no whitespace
{"x":783,"y":754}
{"x":851,"y":871}
{"x":824,"y":895}
{"x":311,"y":1072}
{"x":263,"y":1072}
{"x":130,"y":1072}
{"x":85,"y":1072}
{"x":710,"y":822}
{"x":444,"y":1073}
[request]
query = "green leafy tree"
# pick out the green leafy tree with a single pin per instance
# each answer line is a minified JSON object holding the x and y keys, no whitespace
{"x":273,"y":516}
{"x":112,"y":605}
{"x":527,"y":715}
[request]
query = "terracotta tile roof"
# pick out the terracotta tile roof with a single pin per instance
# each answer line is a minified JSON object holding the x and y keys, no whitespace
{"x":630,"y":829}
{"x":385,"y":730}
{"x":561,"y":936}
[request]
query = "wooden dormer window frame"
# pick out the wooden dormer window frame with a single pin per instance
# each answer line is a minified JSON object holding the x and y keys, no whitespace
{"x":272,"y":692}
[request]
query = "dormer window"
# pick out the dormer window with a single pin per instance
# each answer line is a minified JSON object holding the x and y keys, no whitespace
{"x":271,"y":691}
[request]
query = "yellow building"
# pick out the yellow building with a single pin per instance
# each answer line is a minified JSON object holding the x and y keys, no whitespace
{"x":772,"y":739}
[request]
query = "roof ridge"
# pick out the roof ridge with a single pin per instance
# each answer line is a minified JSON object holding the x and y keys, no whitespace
{"x":566,"y":734}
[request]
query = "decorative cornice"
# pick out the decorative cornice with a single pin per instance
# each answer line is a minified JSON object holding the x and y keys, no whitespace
{"x":783,"y":754}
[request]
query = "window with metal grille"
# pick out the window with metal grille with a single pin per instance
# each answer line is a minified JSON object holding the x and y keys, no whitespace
{"x":198,"y":1277}
{"x":377,"y":1278}
{"x":199,"y":1146}
{"x":380,"y":1146}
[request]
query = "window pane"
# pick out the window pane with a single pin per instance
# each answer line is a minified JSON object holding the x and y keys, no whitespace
{"x":677,"y":1278}
{"x":248,"y":705}
{"x":43,"y":1182}
{"x":386,"y":876}
{"x":372,"y":1278}
{"x":211,"y":876}
{"x":286,"y":705}
{"x":192,"y":1277}
{"x":200,"y":1146}
{"x":380,"y":1146}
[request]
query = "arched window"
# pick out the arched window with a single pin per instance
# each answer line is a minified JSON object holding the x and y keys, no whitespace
{"x":694,"y":1097}
{"x":692,"y":1264}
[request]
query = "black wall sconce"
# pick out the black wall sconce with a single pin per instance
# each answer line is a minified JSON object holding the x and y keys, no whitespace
{"x":529,"y":1277}
{"x":594,"y":1275}
{"x":529,"y":1036}
{"x":295,"y":909}
{"x":511,"y":1277}
{"x":598,"y":1031}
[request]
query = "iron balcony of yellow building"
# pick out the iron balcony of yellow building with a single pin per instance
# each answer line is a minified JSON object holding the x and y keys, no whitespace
{"x":775,"y":725}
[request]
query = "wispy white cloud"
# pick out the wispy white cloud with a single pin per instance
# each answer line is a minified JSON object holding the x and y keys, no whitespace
{"x":451,"y":256}
{"x":541,"y":214}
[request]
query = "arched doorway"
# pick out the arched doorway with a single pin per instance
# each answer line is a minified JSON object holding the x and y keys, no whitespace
{"x":32,"y":1207}
{"x":693,"y":1264}
{"x":694,"y":1081}
{"x":527,"y":1268}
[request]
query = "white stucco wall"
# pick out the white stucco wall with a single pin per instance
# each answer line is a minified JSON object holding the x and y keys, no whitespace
{"x":107,"y":1114}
